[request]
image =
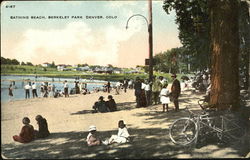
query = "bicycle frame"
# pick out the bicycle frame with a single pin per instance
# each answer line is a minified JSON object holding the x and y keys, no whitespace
{"x":206,"y":120}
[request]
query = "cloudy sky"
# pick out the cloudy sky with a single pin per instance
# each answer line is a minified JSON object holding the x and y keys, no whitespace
{"x":95,"y":41}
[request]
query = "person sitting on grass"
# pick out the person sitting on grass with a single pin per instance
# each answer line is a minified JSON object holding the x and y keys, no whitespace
{"x":42,"y":127}
{"x":27,"y":133}
{"x":122,"y":136}
{"x":100,"y":106}
{"x":111,"y":104}
{"x":92,"y":138}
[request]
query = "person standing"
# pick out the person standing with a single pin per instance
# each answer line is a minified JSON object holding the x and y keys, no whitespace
{"x":164,"y":97}
{"x":175,"y":91}
{"x":148,"y":92}
{"x":10,"y":92}
{"x":80,"y":87}
{"x":27,"y":90}
{"x":42,"y":89}
{"x":66,"y":89}
{"x":108,"y":87}
{"x":130,"y":84}
{"x":118,"y":86}
{"x":50,"y":92}
{"x":77,"y":87}
{"x":138,"y":90}
{"x":143,"y":98}
{"x":125,"y":85}
{"x":46,"y":93}
{"x":34,"y":92}
{"x":156,"y":88}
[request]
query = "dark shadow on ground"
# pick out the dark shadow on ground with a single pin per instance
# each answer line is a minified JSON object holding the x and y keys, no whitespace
{"x":156,"y":116}
{"x":120,"y":107}
{"x":148,"y":143}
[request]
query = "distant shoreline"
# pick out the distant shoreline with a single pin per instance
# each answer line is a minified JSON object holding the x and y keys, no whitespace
{"x":105,"y":77}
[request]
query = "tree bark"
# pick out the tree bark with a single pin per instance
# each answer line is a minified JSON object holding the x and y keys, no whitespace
{"x":244,"y":28}
{"x":224,"y":53}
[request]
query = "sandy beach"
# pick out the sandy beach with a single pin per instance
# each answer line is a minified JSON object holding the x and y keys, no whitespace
{"x":69,"y":118}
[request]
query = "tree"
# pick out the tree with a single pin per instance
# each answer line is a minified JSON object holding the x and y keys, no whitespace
{"x":244,"y":28}
{"x":53,"y":64}
{"x":9,"y":61}
{"x":192,"y":18}
{"x":29,"y":64}
{"x":23,"y":63}
{"x":15,"y":62}
{"x":225,"y":54}
{"x":172,"y":61}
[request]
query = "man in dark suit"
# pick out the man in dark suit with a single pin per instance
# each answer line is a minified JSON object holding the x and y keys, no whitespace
{"x":175,"y":91}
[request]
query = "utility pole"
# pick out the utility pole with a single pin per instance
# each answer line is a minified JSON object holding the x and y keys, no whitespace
{"x":150,"y":41}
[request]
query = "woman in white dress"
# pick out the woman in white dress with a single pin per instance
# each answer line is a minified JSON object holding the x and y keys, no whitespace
{"x":164,"y":97}
{"x":122,"y":136}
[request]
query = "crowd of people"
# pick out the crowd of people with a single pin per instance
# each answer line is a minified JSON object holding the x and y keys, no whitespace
{"x":144,"y":97}
{"x":28,"y":133}
{"x":48,"y":89}
{"x":159,"y":94}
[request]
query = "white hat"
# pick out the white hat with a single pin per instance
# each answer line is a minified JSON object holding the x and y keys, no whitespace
{"x":92,"y":128}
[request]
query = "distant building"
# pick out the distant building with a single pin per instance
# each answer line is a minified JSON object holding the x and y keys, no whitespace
{"x":60,"y":67}
{"x":117,"y":71}
{"x":85,"y":68}
{"x":46,"y":64}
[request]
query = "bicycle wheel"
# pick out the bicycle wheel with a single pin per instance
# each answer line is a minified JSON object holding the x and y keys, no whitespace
{"x":183,"y":131}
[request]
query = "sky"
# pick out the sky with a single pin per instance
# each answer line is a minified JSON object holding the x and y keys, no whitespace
{"x":33,"y":31}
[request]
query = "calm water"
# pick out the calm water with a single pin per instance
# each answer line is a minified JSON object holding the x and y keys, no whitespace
{"x":19,"y":92}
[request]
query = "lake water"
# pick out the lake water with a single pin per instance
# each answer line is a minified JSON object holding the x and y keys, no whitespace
{"x":20,"y":81}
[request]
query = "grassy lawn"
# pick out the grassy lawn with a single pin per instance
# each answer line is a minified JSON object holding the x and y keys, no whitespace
{"x":52,"y":72}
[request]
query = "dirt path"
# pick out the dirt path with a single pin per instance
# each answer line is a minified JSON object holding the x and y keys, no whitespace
{"x":69,"y":118}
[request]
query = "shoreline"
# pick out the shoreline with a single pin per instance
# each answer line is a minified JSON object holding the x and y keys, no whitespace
{"x":104,"y":77}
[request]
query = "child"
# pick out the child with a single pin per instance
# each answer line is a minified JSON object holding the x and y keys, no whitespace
{"x":122,"y":136}
{"x":43,"y":127}
{"x":111,"y":104}
{"x":27,"y":132}
{"x":92,"y":138}
{"x":164,"y":97}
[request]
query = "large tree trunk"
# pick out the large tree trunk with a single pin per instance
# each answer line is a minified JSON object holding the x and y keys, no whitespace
{"x":244,"y":28}
{"x":224,"y":53}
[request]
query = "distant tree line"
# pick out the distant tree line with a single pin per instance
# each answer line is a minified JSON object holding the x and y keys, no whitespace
{"x":14,"y":62}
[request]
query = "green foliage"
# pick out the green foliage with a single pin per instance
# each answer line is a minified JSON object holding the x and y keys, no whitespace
{"x":9,"y":61}
{"x":172,"y":61}
{"x":53,"y":65}
{"x":192,"y":18}
{"x":82,"y":65}
{"x":29,"y":64}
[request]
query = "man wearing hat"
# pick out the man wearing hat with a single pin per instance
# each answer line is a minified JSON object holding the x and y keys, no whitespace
{"x":175,"y":91}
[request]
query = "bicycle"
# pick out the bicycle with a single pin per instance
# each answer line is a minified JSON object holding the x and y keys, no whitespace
{"x":185,"y":131}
